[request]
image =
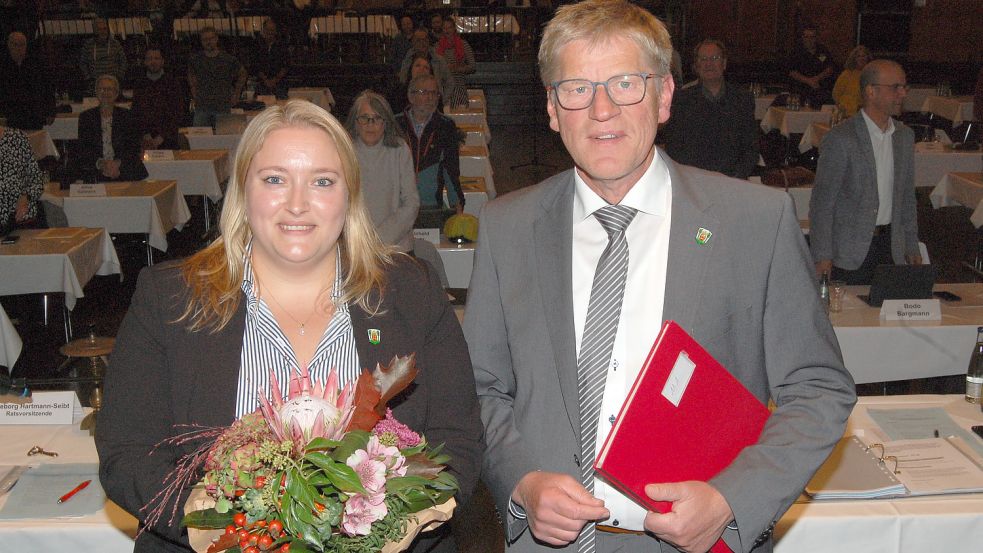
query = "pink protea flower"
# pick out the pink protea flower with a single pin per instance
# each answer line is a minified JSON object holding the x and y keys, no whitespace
{"x":392,"y":432}
{"x":361,"y":511}
{"x":311,"y":411}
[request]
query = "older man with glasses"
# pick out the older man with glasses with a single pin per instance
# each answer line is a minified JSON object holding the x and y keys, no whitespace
{"x":573,"y":278}
{"x":434,"y":140}
{"x":712,"y":124}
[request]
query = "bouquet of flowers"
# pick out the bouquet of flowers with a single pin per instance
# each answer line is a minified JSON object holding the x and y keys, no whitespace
{"x":328,"y":469}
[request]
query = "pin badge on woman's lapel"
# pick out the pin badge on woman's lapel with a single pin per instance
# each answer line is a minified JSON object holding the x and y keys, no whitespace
{"x":375,"y":336}
{"x":703,"y":236}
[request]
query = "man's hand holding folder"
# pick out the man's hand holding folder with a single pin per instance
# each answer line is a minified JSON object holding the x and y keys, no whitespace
{"x":698,"y":517}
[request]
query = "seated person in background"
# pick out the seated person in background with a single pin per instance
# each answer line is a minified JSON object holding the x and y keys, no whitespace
{"x":811,"y":70}
{"x":420,"y":65}
{"x":402,"y":44}
{"x":109,"y":142}
{"x":216,"y":79}
{"x":460,"y":60}
{"x":20,"y":180}
{"x":271,"y":62}
{"x":26,"y":97}
{"x":101,"y":55}
{"x":434,"y":140}
{"x":159,"y":105}
{"x":712,"y":123}
{"x":388,"y":178}
{"x":846,"y":91}
{"x":863,"y":215}
{"x":438,"y":65}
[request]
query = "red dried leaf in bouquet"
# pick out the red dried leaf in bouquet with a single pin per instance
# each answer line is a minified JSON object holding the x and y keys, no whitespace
{"x":374,"y":390}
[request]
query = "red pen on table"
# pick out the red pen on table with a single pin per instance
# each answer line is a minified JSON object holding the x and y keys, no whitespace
{"x":74,"y":491}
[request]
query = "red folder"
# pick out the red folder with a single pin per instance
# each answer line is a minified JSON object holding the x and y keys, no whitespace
{"x":685,"y":418}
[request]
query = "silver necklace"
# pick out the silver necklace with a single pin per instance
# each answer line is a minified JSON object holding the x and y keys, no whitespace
{"x":303,"y":325}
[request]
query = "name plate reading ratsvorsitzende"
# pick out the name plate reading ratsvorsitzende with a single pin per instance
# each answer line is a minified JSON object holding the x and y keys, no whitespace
{"x":87,"y":190}
{"x":43,"y":408}
{"x":911,"y":310}
{"x":159,"y":155}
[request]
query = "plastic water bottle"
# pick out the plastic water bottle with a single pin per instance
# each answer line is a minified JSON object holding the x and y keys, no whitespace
{"x":824,"y":294}
{"x":974,"y":374}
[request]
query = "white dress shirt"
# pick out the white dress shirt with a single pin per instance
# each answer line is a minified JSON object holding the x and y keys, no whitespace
{"x":883,"y":145}
{"x":641,"y":310}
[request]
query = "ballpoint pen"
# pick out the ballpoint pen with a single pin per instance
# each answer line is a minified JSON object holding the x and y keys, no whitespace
{"x":74,"y":491}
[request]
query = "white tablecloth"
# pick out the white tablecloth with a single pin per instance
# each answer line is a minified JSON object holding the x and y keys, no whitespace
{"x":882,"y":351}
{"x":792,"y":122}
{"x":466,"y":115}
{"x":10,"y":342}
{"x":41,"y":144}
{"x":954,"y":108}
{"x":476,"y":99}
{"x":56,"y":260}
{"x":64,"y":127}
{"x":109,"y":530}
{"x":475,"y":163}
{"x":320,"y":96}
{"x":458,"y":261}
{"x":965,"y":189}
{"x":946,"y":523}
{"x":813,"y":136}
{"x":147,"y":207}
{"x":475,"y":194}
{"x":244,"y":25}
{"x":197,"y":172}
{"x":118,"y":26}
{"x":475,"y":135}
{"x":761,"y":105}
{"x":934,"y":160}
{"x":383,"y":25}
{"x":916,"y":97}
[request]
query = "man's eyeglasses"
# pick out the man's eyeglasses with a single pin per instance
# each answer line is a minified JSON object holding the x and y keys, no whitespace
{"x":623,"y":90}
{"x":369,"y":119}
{"x":715,"y":57}
{"x":422,"y":92}
{"x":896,"y":87}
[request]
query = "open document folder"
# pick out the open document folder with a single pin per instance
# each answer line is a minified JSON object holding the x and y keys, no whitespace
{"x":895,"y":469}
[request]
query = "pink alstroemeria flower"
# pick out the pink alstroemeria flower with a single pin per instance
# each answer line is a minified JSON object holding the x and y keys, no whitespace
{"x":361,"y":511}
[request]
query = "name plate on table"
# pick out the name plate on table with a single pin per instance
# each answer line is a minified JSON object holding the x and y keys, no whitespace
{"x":87,"y":190}
{"x":198,"y":131}
{"x":431,"y":235}
{"x":158,"y":155}
{"x":237,"y":111}
{"x":911,"y":310}
{"x":43,"y":408}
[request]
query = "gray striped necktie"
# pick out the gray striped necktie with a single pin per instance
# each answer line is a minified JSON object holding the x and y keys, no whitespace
{"x":603,"y":313}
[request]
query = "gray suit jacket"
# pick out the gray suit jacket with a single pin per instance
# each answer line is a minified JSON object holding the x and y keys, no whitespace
{"x":748,"y":296}
{"x":844,"y":203}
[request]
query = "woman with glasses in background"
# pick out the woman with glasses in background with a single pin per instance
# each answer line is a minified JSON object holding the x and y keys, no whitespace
{"x":388,"y":179}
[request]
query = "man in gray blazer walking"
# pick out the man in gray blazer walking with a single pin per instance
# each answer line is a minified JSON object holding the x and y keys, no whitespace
{"x":862,"y":210}
{"x":723,"y":258}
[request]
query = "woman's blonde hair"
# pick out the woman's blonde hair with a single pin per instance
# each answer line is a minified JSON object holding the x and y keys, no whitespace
{"x":597,"y":21}
{"x":214,"y":275}
{"x":851,"y":58}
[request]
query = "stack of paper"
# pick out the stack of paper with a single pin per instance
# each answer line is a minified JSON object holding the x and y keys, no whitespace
{"x":854,"y":472}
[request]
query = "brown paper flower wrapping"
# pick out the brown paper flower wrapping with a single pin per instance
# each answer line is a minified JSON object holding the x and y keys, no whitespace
{"x":423,"y":521}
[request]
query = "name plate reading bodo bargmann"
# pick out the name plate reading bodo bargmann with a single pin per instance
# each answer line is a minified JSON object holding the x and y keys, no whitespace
{"x":911,"y":310}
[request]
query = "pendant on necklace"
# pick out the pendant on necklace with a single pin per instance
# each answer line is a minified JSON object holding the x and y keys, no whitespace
{"x":301,"y":330}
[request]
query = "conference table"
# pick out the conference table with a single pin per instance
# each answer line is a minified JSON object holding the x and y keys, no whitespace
{"x":790,"y":122}
{"x":239,"y":26}
{"x":877,"y":350}
{"x":476,"y":163}
{"x":458,"y":260}
{"x":340,"y":23}
{"x":121,"y":27}
{"x":949,"y":523}
{"x":317,"y":95}
{"x":10,"y":342}
{"x":476,"y":99}
{"x":475,"y":194}
{"x":466,"y":115}
{"x":761,"y":105}
{"x":954,"y":108}
{"x":197,"y":172}
{"x":148,"y":207}
{"x":475,"y":135}
{"x":41,"y":144}
{"x":916,"y":97}
{"x":108,"y":530}
{"x":965,"y":189}
{"x":56,"y":260}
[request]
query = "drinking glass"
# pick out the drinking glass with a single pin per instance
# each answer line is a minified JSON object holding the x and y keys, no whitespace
{"x":837,"y":289}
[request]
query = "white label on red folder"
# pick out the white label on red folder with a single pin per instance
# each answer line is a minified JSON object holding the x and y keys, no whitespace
{"x":678,"y":379}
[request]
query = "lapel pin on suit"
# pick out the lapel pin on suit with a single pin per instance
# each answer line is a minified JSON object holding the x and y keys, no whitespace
{"x":703,"y":236}
{"x":375,"y":336}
